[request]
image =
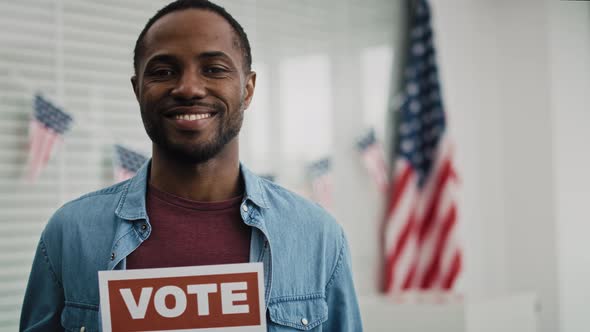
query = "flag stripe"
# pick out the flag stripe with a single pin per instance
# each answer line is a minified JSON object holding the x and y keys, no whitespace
{"x":50,"y":142}
{"x":34,"y":148}
{"x":428,"y":244}
{"x":397,"y":250}
{"x":375,"y":162}
{"x":396,"y":221}
{"x":320,"y":174}
{"x":428,"y":220}
{"x":434,"y":267}
{"x":399,"y":186}
{"x":406,"y":259}
{"x":453,"y":271}
{"x":42,"y":146}
{"x":395,"y":225}
{"x":410,"y":277}
{"x":374,"y":159}
{"x":448,"y":255}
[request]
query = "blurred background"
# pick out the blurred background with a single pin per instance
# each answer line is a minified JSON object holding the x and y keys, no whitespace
{"x":515,"y":79}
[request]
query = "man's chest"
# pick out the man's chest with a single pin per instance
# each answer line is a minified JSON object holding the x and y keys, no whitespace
{"x":187,"y":235}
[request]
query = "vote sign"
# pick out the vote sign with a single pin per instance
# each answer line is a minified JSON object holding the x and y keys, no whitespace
{"x":197,"y":298}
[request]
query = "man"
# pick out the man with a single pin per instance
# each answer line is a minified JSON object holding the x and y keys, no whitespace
{"x":193,"y":203}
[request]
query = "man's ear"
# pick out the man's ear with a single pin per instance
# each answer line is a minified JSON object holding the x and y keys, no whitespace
{"x":135,"y":86}
{"x":249,"y":88}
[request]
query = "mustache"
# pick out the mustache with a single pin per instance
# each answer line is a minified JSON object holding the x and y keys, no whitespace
{"x":214,"y":106}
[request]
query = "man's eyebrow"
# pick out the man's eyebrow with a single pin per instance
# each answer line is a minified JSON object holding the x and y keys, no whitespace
{"x":214,"y":54}
{"x":167,"y":58}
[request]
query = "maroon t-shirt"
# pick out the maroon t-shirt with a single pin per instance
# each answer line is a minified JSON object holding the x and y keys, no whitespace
{"x":188,"y":233}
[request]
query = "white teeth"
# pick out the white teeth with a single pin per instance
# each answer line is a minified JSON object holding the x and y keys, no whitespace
{"x":192,"y":117}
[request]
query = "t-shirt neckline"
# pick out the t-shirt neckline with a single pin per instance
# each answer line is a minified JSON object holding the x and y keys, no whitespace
{"x":194,"y":205}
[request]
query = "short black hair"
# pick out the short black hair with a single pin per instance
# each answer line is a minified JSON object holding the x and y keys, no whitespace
{"x":178,"y":5}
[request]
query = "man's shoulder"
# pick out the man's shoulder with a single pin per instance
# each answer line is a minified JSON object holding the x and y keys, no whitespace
{"x":281,"y":197}
{"x":91,"y":204}
{"x":294,"y":210}
{"x":108,"y":193}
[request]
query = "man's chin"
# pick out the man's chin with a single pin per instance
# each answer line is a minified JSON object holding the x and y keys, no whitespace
{"x":193,"y":155}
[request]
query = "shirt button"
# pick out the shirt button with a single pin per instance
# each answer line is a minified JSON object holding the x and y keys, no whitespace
{"x":304,"y":321}
{"x":245,"y":208}
{"x":113,"y":256}
{"x":143,"y":227}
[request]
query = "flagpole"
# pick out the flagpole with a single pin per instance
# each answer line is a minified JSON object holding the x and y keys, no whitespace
{"x":59,"y":64}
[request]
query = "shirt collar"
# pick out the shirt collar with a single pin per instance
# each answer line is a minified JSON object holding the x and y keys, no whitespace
{"x":132,"y":205}
{"x":254,"y":187}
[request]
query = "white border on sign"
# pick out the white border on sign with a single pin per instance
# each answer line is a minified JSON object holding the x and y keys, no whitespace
{"x":186,"y":271}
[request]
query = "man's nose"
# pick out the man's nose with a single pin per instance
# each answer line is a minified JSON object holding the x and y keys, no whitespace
{"x":190,"y":86}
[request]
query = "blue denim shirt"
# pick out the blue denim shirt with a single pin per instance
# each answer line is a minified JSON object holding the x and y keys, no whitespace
{"x":307,"y":267}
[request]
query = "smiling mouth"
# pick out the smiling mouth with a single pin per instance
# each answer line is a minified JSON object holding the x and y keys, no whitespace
{"x":193,"y":117}
{"x":190,"y":121}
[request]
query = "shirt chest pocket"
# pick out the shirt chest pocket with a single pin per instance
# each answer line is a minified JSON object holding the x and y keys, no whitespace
{"x":79,"y":319}
{"x":297,"y":315}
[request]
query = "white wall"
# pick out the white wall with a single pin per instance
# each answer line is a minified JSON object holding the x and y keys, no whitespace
{"x":570,"y":93}
{"x":528,"y":156}
{"x":516,"y":76}
{"x":495,"y":68}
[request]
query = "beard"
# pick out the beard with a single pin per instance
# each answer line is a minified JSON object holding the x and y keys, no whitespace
{"x":229,"y":124}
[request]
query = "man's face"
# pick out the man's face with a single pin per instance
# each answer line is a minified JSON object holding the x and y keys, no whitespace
{"x":191,"y":86}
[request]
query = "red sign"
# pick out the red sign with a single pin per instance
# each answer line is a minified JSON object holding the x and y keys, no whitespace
{"x":187,"y":298}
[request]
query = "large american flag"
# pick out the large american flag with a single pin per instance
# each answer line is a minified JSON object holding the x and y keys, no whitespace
{"x":320,"y":174}
{"x":46,"y":129}
{"x":126,"y":162}
{"x":420,"y":245}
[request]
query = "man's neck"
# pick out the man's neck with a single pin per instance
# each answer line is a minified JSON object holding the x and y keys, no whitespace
{"x":217,"y":179}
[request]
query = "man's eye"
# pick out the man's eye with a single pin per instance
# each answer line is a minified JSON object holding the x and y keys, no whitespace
{"x":214,"y":70}
{"x":163,"y":72}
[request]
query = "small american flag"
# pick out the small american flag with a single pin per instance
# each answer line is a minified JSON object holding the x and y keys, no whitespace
{"x":127,"y":162}
{"x":374,"y":159}
{"x":46,"y":129}
{"x":320,"y":174}
{"x":420,"y":245}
